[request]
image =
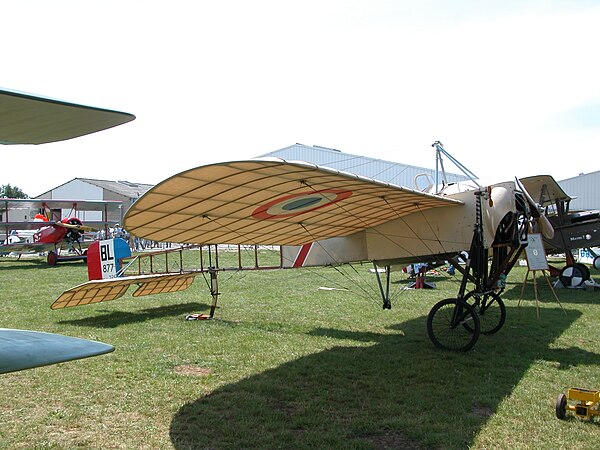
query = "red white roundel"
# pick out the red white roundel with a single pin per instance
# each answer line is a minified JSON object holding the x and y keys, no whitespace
{"x":296,"y":204}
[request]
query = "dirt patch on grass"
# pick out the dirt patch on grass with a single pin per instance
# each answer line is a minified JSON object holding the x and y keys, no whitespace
{"x":392,"y":441}
{"x":287,"y":408}
{"x":482,"y":411}
{"x":193,"y":371}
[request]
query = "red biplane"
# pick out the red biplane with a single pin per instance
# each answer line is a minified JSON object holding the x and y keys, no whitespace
{"x":63,"y":239}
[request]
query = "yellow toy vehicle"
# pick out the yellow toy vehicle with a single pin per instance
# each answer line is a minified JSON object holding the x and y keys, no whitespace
{"x":586,"y":408}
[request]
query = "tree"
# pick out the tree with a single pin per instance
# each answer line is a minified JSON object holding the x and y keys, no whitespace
{"x":8,"y":191}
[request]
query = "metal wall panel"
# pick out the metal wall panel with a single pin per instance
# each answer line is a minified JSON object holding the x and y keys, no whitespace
{"x":586,"y":187}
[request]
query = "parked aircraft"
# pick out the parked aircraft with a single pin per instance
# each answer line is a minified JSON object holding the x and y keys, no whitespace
{"x":574,"y":229}
{"x":61,"y":238}
{"x":334,"y":217}
{"x":27,"y":119}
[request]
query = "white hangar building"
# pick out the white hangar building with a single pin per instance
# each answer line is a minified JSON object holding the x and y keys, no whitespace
{"x":586,"y":187}
{"x":90,"y":189}
{"x":378,"y":169}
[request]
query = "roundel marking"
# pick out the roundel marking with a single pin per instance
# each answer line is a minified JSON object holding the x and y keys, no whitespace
{"x":296,"y":204}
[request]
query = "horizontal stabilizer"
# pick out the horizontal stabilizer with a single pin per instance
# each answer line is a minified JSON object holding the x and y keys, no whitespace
{"x":97,"y":291}
{"x":171,"y":283}
{"x":23,"y":349}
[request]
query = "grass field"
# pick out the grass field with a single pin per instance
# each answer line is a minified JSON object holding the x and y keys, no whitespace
{"x":286,"y":365}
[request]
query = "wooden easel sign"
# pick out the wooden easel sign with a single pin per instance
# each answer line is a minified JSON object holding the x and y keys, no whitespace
{"x":535,"y":254}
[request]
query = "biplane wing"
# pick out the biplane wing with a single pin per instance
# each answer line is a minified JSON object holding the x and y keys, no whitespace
{"x":27,"y":119}
{"x":23,"y":349}
{"x":74,"y":205}
{"x":25,"y":247}
{"x":544,"y":190}
{"x":269,"y":201}
{"x":113,"y":288}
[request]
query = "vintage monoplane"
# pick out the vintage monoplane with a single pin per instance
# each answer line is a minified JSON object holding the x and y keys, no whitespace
{"x":61,"y":238}
{"x":327,"y":217}
{"x":27,"y":119}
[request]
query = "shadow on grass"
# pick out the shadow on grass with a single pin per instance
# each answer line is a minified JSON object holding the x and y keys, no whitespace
{"x":545,"y":295}
{"x":24,"y":263}
{"x":399,"y":392}
{"x":113,"y":319}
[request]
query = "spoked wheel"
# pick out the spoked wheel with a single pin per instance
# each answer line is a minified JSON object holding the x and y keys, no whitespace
{"x":447,"y":324}
{"x":490,"y":309}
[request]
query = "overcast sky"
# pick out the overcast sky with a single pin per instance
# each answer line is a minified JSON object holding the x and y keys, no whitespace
{"x":510,"y":87}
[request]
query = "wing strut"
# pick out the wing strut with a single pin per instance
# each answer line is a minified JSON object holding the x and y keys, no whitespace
{"x":214,"y":290}
{"x":439,"y":149}
{"x":384,"y":295}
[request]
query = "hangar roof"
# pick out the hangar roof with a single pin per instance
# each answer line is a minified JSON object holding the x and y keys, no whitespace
{"x":126,"y":188}
{"x":377,"y":169}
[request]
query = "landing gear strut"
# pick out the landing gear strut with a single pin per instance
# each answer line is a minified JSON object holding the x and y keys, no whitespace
{"x":456,"y":323}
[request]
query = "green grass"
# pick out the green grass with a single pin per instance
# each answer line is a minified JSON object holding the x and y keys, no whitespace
{"x":286,"y":365}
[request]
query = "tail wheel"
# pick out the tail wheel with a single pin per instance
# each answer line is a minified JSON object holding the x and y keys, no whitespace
{"x":453,"y":324}
{"x":597,"y":263}
{"x":561,"y":406}
{"x":52,"y":258}
{"x":572,"y":276}
{"x":490,"y":309}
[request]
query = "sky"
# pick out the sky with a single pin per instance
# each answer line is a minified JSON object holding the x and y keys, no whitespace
{"x":509,"y":87}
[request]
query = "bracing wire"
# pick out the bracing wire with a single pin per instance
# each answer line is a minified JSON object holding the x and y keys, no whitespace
{"x":388,"y":237}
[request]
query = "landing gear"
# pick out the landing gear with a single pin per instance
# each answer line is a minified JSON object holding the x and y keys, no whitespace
{"x":456,"y":323}
{"x":490,"y":309}
{"x":453,"y":324}
{"x":573,"y":276}
{"x":52,"y":258}
{"x":586,"y":271}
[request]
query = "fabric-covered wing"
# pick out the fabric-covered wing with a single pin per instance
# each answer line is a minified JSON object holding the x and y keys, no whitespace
{"x":113,"y":288}
{"x":25,"y":119}
{"x":544,"y":190}
{"x":269,"y":201}
{"x":25,"y":248}
{"x":23,"y":349}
